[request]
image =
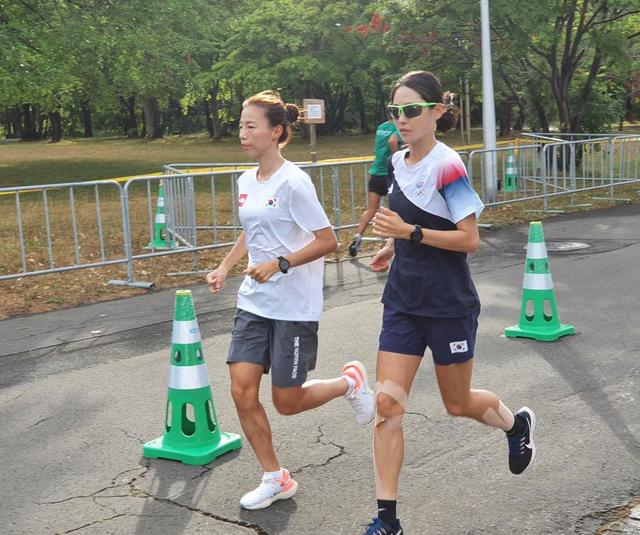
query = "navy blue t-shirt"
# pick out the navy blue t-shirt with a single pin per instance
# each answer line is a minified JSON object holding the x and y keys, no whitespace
{"x":434,"y":193}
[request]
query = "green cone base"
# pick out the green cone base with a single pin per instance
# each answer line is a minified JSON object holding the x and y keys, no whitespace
{"x":156,"y":449}
{"x":160,"y":244}
{"x":543,"y":335}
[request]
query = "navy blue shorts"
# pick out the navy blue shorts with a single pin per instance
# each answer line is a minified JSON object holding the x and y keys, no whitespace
{"x":451,"y":340}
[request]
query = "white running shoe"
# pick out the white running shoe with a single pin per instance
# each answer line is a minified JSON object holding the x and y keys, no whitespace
{"x":361,"y":398}
{"x":270,"y":490}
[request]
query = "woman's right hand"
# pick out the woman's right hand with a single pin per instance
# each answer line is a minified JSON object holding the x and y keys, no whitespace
{"x":380,"y":261}
{"x":216,"y":279}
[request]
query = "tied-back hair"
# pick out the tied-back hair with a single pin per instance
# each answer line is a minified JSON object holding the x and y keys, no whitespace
{"x":427,"y":85}
{"x":278,"y":113}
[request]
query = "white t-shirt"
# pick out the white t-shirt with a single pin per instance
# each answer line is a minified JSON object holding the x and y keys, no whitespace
{"x":278,"y":217}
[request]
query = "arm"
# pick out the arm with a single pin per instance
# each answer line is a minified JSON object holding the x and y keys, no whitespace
{"x":218,"y":276}
{"x":325,"y":242}
{"x":465,"y":239}
{"x":393,"y":143}
{"x":380,"y":261}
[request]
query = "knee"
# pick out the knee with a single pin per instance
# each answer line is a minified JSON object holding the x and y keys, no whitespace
{"x":387,"y":406}
{"x":285,"y":405}
{"x":245,"y":399}
{"x":455,"y":408}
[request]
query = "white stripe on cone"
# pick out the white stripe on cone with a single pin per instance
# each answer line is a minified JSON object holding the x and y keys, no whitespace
{"x":160,"y":201}
{"x":185,"y":332}
{"x":188,"y":377}
{"x":536,"y":281}
{"x":536,"y":251}
{"x":159,"y":218}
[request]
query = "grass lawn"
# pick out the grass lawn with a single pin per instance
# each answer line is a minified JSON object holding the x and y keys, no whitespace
{"x":82,"y":159}
{"x":41,"y":162}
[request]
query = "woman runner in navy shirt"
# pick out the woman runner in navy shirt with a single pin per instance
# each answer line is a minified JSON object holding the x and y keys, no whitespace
{"x":429,"y":299}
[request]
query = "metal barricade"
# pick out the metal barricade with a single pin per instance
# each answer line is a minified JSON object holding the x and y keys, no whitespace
{"x":555,"y":168}
{"x":49,"y":233}
{"x":60,"y":227}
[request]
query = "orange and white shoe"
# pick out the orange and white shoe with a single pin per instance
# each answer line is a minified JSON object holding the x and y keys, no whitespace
{"x":361,"y":397}
{"x":270,"y":490}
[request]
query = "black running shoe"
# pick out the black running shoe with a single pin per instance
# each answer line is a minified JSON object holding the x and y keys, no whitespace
{"x":355,"y":246}
{"x":378,"y":527}
{"x":522,"y":450}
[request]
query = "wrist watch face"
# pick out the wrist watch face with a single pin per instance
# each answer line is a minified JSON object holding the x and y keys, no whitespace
{"x":284,"y":265}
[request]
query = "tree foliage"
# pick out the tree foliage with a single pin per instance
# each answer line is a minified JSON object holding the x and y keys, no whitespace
{"x":146,"y":68}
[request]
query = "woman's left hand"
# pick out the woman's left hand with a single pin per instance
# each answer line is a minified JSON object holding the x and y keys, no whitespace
{"x":389,"y":224}
{"x":263,"y":272}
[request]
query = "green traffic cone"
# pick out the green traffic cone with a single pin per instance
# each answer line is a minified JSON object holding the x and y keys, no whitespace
{"x":160,"y":237}
{"x":510,"y":173}
{"x":537,"y":288}
{"x":191,"y":435}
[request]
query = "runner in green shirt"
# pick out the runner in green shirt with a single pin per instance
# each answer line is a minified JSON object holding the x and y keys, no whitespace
{"x":387,"y":142}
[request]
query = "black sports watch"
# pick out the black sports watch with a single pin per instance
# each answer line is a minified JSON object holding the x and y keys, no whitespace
{"x":283,"y":264}
{"x":416,"y":234}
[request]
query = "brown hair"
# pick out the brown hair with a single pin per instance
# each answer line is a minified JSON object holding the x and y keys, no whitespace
{"x":427,"y":85}
{"x":276,"y":111}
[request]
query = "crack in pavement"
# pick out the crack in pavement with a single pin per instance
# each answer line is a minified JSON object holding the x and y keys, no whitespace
{"x":134,"y":491}
{"x":132,"y":437}
{"x":137,"y":492}
{"x":93,"y":523}
{"x":39,"y":422}
{"x":341,"y":451}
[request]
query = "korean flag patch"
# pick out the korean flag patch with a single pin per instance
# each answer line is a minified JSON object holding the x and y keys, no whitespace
{"x":272,"y":202}
{"x":459,"y":347}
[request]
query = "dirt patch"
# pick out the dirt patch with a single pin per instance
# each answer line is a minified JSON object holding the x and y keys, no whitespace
{"x":30,"y":295}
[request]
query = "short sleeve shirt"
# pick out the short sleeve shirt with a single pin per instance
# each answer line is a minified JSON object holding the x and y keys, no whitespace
{"x":382,"y":149}
{"x":434,"y":193}
{"x":279,"y":217}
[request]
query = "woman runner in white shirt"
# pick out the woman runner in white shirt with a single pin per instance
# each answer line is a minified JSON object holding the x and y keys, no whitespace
{"x":286,"y":235}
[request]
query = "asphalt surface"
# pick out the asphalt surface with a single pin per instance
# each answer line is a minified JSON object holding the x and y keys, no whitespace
{"x":82,"y":389}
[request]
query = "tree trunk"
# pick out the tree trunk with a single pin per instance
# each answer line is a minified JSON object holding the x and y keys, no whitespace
{"x":29,"y":128}
{"x":216,"y":129}
{"x":538,"y":106}
{"x":576,"y":120}
{"x":56,"y":126}
{"x":362,"y":112}
{"x":15,"y":120}
{"x":87,"y":120}
{"x":129,"y":119}
{"x":207,"y":116}
{"x":152,"y":123}
{"x":505,"y":109}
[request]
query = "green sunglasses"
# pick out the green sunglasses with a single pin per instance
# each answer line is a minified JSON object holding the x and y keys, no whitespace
{"x":410,"y":110}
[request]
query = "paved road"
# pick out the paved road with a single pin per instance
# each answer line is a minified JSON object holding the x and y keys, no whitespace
{"x":82,"y":389}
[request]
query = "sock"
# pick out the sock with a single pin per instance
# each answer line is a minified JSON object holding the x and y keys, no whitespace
{"x":387,"y":512}
{"x":352,"y":384}
{"x":519,"y":425}
{"x":272,"y":475}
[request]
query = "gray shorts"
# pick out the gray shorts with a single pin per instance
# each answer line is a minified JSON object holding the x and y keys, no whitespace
{"x":289,"y":348}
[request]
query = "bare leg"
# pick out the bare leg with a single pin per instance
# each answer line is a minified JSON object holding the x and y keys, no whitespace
{"x":394,"y":377}
{"x":460,"y":399}
{"x":245,"y":388}
{"x":310,"y":395}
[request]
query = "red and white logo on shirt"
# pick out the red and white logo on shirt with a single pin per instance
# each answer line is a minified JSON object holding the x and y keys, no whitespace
{"x":241,"y":198}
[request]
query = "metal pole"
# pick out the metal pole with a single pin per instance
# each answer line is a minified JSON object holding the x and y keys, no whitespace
{"x":467,"y":110}
{"x":488,"y":106}
{"x":462,"y":111}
